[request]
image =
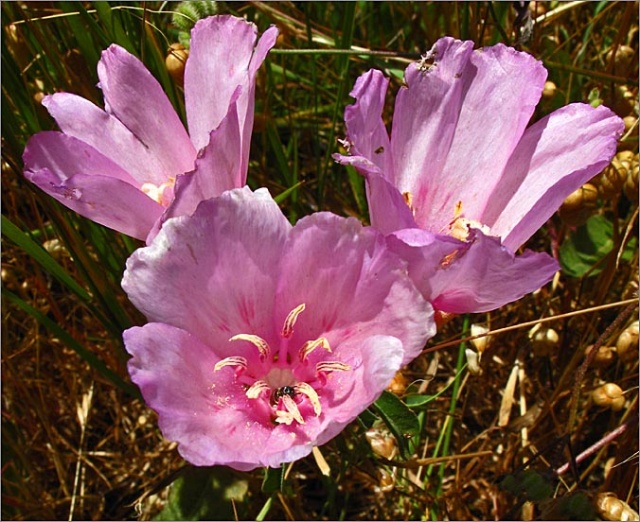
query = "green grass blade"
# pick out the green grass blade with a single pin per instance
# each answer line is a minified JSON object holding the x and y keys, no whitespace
{"x":43,"y":258}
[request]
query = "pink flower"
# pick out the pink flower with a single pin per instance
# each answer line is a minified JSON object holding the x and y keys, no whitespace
{"x":122,"y":165}
{"x":460,"y":161}
{"x":265,"y":339}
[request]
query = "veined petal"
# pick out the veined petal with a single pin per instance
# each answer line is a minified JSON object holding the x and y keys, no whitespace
{"x":218,"y":168}
{"x":198,"y":408}
{"x":346,"y":276}
{"x":66,"y":156}
{"x":104,"y":132}
{"x":486,"y":275}
{"x":220,"y":60}
{"x":388,"y":209}
{"x":219,"y":266}
{"x":365,"y":128}
{"x":110,"y":202}
{"x":556,"y":156}
{"x":136,"y":98}
{"x":85,"y":181}
{"x":476,"y":107}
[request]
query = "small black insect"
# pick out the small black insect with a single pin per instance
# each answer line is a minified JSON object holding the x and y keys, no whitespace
{"x":284,"y":390}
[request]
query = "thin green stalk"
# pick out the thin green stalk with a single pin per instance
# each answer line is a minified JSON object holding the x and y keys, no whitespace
{"x":444,"y":439}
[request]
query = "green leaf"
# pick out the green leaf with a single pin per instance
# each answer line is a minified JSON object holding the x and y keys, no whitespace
{"x":400,"y":420}
{"x":206,"y":494}
{"x":583,"y":252}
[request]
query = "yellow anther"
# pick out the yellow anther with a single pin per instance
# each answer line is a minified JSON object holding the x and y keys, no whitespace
{"x":234,"y":360}
{"x":254,"y":391}
{"x":306,"y":389}
{"x":292,"y":408}
{"x":290,"y":321}
{"x":408,"y":199}
{"x":258,"y":342}
{"x":332,"y":366}
{"x":310,"y":346}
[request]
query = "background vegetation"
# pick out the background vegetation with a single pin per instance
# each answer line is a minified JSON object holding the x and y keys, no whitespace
{"x":445,"y":442}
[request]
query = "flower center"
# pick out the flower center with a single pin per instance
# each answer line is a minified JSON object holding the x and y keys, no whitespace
{"x":290,"y":388}
{"x":162,"y":193}
{"x":459,"y":226}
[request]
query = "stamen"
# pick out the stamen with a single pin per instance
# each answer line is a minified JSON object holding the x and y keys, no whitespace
{"x":310,"y":346}
{"x":157,"y":192}
{"x":408,"y":199}
{"x":254,"y":391}
{"x":292,"y":408}
{"x":290,"y":321}
{"x":308,"y":390}
{"x":284,"y":417}
{"x":258,"y":342}
{"x":234,"y":360}
{"x":332,"y":366}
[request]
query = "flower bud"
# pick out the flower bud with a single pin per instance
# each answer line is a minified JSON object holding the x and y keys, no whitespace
{"x":627,"y":343}
{"x":543,"y":341}
{"x":609,"y":396}
{"x":611,"y":507}
{"x":175,"y":62}
{"x":579,"y":205}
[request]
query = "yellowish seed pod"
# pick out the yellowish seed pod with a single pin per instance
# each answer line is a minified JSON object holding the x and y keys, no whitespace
{"x":549,"y":90}
{"x":623,"y":60}
{"x":609,"y":396}
{"x":387,"y":481}
{"x":627,"y":343}
{"x":611,"y":180}
{"x":382,"y":442}
{"x":398,"y":384}
{"x":631,"y":184}
{"x":579,"y":205}
{"x":543,"y":341}
{"x":603,"y":357}
{"x":481,"y":343}
{"x":176,"y":61}
{"x":611,"y":507}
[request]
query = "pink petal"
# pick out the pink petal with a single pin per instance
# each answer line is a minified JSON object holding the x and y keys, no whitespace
{"x":481,"y":276}
{"x":207,"y":413}
{"x":387,"y":207}
{"x":83,"y":120}
{"x":92,"y":185}
{"x":134,"y":96}
{"x":66,"y":156}
{"x":218,"y":267}
{"x":375,"y":361}
{"x":366,"y":131}
{"x":221,"y":59}
{"x":457,"y":124}
{"x":105,"y":200}
{"x":218,"y":168}
{"x":351,"y":284}
{"x":556,"y":156}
